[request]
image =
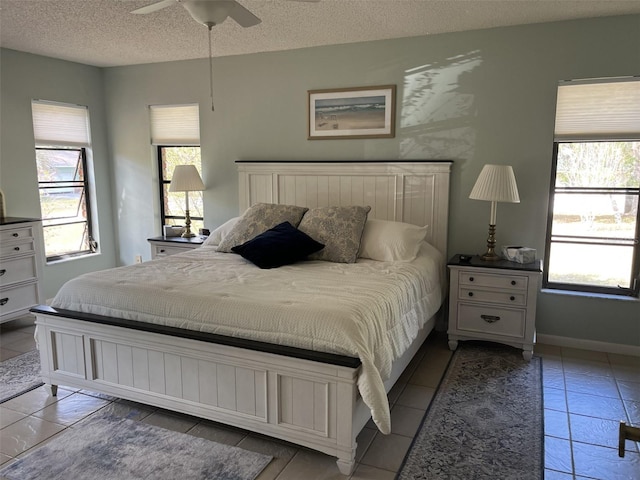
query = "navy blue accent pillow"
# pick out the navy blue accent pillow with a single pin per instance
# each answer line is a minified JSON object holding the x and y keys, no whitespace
{"x":281,"y":245}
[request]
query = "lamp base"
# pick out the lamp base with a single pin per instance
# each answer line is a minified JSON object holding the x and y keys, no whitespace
{"x":187,"y":225}
{"x":490,"y":255}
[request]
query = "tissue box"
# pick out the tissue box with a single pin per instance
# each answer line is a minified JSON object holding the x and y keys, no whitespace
{"x":519,"y":254}
{"x":172,"y":230}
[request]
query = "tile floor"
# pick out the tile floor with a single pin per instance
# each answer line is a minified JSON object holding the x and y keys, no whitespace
{"x":586,"y":394}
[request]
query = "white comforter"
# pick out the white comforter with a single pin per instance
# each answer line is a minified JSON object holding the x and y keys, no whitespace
{"x":372,"y":310}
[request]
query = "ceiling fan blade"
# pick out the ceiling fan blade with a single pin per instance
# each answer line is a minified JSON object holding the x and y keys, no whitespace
{"x":243,"y":16}
{"x":154,"y":7}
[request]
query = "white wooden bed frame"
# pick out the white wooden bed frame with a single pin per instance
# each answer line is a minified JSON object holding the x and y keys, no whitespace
{"x":309,"y":402}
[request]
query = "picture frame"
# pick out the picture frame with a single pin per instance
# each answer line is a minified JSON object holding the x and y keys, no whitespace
{"x":360,"y":112}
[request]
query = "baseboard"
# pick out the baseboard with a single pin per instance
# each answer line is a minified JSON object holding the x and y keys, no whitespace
{"x":594,"y":345}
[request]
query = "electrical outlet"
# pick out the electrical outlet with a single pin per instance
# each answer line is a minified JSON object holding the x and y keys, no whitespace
{"x":138,"y":258}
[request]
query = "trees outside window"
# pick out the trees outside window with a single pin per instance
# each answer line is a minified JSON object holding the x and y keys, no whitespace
{"x":593,"y":224}
{"x":172,"y":204}
{"x":175,"y":131}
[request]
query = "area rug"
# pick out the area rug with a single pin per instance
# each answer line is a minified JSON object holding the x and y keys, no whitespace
{"x":19,"y":375}
{"x":485,"y":422}
{"x":112,"y":448}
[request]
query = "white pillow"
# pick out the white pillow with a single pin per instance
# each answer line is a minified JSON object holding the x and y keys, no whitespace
{"x":221,"y":232}
{"x":388,"y":241}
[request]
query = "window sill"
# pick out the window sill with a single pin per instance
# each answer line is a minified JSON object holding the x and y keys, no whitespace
{"x":72,"y":258}
{"x":603,"y":296}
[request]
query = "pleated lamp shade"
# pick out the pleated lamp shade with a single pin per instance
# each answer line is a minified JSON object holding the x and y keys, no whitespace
{"x":496,"y":183}
{"x":186,"y":179}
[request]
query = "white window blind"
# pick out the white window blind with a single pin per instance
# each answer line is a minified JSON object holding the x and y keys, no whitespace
{"x":175,"y":124}
{"x":57,"y":124}
{"x":604,"y":109}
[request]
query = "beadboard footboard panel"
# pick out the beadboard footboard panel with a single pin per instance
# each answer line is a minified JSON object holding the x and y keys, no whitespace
{"x":307,"y":403}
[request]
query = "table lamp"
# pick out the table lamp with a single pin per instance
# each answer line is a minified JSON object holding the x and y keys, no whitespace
{"x":186,"y":179}
{"x":496,"y":183}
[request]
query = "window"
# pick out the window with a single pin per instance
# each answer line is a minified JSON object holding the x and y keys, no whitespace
{"x":594,"y":220}
{"x":175,"y":130}
{"x":62,"y":139}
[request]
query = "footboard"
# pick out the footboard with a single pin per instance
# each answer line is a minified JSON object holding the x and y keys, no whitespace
{"x":305,"y":402}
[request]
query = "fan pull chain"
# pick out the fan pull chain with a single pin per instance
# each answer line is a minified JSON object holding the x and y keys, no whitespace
{"x":210,"y":26}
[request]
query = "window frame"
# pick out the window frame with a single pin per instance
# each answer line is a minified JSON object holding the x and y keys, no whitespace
{"x":634,"y":291}
{"x":93,"y":245}
{"x":162,"y":181}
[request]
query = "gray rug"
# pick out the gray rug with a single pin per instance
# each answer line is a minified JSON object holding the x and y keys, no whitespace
{"x":19,"y":374}
{"x":485,"y":422}
{"x":110,"y":448}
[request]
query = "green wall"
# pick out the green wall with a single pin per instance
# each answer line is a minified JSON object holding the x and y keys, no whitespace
{"x":25,"y":77}
{"x":478,"y":97}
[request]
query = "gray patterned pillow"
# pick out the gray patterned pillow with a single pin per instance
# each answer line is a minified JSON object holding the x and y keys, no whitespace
{"x":258,"y":219}
{"x":339,"y":228}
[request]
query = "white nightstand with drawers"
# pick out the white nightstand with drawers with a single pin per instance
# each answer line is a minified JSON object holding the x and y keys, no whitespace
{"x":165,"y":246}
{"x":493,"y":301}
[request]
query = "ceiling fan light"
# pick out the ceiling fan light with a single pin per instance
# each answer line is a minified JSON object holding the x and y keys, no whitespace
{"x":208,"y":12}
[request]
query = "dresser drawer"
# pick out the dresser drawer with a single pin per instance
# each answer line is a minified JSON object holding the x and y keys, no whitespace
{"x":18,"y":298}
{"x":502,"y":297}
{"x":17,"y":233}
{"x":17,"y":270}
{"x":470,"y":278}
{"x":496,"y":321}
{"x":16,"y":248}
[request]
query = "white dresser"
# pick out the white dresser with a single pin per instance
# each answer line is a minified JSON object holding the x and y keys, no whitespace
{"x":20,"y":266}
{"x":493,"y":301}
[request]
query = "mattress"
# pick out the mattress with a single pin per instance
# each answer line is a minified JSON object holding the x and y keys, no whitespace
{"x":369,"y":309}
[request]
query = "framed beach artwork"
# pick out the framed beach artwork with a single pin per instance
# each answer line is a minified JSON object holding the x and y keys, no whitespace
{"x":364,"y":112}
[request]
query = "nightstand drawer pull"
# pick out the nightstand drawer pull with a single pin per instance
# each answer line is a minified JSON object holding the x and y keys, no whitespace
{"x":16,"y":234}
{"x":512,"y":298}
{"x":471,"y":294}
{"x":490,"y":318}
{"x":513,"y":282}
{"x":471,"y":279}
{"x":2,"y":272}
{"x":162,"y":250}
{"x":3,"y":301}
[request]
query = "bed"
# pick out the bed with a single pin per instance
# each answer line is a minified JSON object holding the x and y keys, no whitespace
{"x":288,"y":352}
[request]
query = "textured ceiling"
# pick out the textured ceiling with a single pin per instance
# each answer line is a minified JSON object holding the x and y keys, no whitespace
{"x":105,"y":33}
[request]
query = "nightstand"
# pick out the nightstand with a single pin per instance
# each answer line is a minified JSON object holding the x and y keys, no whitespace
{"x":493,"y":301}
{"x":165,"y":246}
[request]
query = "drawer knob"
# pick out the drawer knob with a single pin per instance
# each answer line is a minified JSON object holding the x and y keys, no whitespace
{"x":512,"y":298}
{"x":15,"y":234}
{"x":513,"y":282}
{"x":471,"y":279}
{"x":471,"y":294}
{"x":3,"y":301}
{"x":2,"y":272}
{"x":162,"y":250}
{"x":17,"y":249}
{"x":490,"y":318}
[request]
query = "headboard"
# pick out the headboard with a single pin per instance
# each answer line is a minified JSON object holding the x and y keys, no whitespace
{"x":415,"y":192}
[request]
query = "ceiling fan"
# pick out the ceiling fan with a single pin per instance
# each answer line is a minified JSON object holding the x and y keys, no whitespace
{"x":210,"y":12}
